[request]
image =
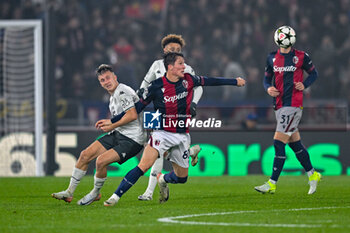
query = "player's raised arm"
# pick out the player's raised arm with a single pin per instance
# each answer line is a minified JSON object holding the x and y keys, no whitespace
{"x":217,"y":81}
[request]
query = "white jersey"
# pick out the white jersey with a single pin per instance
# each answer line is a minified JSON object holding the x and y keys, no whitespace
{"x":124,"y":98}
{"x":157,"y":70}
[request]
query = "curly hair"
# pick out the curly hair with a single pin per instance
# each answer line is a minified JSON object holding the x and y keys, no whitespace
{"x":173,"y":38}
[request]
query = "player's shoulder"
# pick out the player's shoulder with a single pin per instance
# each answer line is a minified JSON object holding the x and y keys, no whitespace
{"x":158,"y":63}
{"x":189,"y":69}
{"x":187,"y":75}
{"x":156,"y":83}
{"x":299,"y":52}
{"x":272,"y":54}
{"x":124,"y":90}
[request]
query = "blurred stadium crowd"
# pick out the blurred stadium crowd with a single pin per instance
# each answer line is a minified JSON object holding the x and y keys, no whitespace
{"x":224,"y":38}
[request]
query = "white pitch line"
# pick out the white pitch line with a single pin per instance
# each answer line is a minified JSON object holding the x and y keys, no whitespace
{"x":175,"y":219}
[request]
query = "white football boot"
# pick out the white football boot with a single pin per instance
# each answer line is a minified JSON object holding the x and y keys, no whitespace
{"x":194,"y":155}
{"x":313,"y":182}
{"x":89,"y":198}
{"x":163,"y":188}
{"x":63,"y":195}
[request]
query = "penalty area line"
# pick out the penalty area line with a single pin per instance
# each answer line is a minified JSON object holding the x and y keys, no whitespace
{"x":177,"y":219}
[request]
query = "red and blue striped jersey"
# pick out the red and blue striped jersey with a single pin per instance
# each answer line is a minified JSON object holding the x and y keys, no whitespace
{"x":173,"y":100}
{"x":283,"y":70}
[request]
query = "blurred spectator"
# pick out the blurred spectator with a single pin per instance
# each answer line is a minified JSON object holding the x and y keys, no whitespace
{"x":224,"y":38}
{"x":250,"y":122}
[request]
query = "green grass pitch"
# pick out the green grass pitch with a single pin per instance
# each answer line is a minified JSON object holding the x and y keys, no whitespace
{"x":203,"y":204}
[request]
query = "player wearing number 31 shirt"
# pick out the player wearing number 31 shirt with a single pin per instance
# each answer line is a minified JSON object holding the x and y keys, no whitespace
{"x":285,"y":83}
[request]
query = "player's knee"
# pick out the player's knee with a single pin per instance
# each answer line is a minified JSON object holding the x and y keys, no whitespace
{"x":99,"y":163}
{"x":84,"y":157}
{"x":174,"y":179}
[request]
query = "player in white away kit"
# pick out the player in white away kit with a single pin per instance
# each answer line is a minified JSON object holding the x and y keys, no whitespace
{"x":170,"y":43}
{"x":120,"y":144}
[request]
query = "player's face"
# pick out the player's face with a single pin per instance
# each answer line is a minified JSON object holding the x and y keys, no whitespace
{"x":172,"y":47}
{"x":108,"y":81}
{"x":179,"y":67}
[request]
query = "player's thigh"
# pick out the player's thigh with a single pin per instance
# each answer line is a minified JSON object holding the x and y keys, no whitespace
{"x":180,"y":154}
{"x":180,"y":171}
{"x":149,"y":156}
{"x":106,"y":158}
{"x":92,"y":151}
{"x":288,"y":119}
{"x":281,"y":137}
{"x":295,"y":137}
{"x":126,"y":148}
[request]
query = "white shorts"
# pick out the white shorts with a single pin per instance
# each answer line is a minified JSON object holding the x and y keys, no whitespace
{"x":177,"y":143}
{"x":288,"y":119}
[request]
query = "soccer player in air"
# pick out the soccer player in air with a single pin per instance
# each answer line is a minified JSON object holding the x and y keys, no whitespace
{"x":119,"y":145}
{"x":284,"y":82}
{"x":171,"y":96}
{"x":170,"y":43}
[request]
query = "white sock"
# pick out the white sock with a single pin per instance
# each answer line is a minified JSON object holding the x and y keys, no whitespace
{"x":98,"y":183}
{"x":152,"y":182}
{"x":309,"y":173}
{"x":272,"y":181}
{"x":115,"y":196}
{"x":77,"y":175}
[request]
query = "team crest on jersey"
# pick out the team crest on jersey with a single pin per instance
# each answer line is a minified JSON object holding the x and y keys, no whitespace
{"x":295,"y":60}
{"x":185,"y":84}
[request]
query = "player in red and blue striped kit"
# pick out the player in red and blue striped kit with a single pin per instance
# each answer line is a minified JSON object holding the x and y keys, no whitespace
{"x":171,"y":96}
{"x":284,"y":81}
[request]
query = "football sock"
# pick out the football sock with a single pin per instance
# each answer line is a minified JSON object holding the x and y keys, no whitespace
{"x":309,"y":173}
{"x":272,"y":181}
{"x":115,"y":196}
{"x":77,"y":175}
{"x":172,"y":178}
{"x":152,"y":182}
{"x":128,"y":181}
{"x":98,"y":183}
{"x":280,"y":158}
{"x":301,"y":154}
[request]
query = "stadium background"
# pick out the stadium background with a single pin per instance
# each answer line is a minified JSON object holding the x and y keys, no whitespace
{"x":224,"y":38}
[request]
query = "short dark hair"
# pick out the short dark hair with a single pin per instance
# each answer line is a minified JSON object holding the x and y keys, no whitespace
{"x":173,"y":38}
{"x":170,"y":58}
{"x":103,"y":69}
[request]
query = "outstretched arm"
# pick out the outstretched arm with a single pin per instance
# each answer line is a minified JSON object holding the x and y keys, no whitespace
{"x":208,"y":81}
